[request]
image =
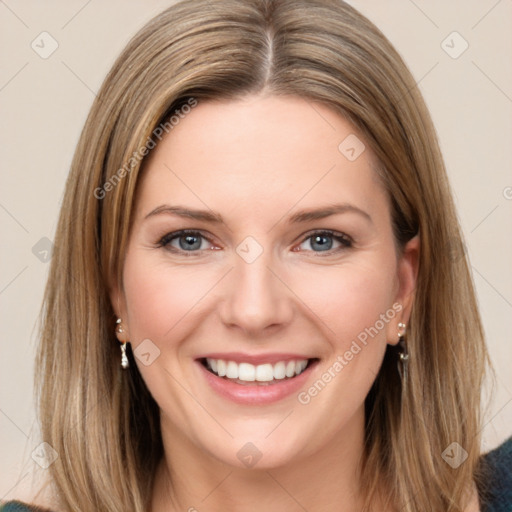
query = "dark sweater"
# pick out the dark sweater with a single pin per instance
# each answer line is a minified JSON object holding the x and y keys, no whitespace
{"x":495,"y":493}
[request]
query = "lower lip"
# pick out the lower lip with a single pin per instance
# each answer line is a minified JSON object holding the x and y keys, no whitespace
{"x":254,"y":394}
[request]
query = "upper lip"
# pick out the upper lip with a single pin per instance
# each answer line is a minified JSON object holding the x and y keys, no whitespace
{"x":255,"y":359}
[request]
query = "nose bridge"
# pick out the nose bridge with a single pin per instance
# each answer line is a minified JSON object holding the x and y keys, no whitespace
{"x":256,"y":297}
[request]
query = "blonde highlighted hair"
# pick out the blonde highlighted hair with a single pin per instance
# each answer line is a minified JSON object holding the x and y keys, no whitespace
{"x":102,"y":421}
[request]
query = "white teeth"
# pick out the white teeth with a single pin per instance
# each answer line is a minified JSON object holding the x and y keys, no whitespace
{"x":221,"y":367}
{"x":232,"y":370}
{"x":290,"y":369}
{"x":246,"y":372}
{"x":264,"y":373}
{"x":280,"y":370}
{"x":261,"y":373}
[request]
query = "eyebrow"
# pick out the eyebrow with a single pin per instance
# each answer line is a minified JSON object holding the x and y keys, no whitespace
{"x":301,"y":216}
{"x":180,"y":211}
{"x":327,"y":211}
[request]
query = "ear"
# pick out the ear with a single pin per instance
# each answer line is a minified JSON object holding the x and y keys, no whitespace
{"x":407,"y":273}
{"x":118,"y":302}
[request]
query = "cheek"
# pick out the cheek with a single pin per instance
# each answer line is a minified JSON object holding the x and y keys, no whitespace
{"x":159,"y":297}
{"x":355,"y":304}
{"x":350,"y":299}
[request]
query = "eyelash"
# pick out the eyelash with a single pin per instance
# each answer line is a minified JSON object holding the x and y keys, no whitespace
{"x":345,"y":241}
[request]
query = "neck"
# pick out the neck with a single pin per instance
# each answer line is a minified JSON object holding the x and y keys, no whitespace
{"x":190,"y":479}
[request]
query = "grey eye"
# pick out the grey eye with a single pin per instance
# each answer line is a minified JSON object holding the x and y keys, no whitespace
{"x":322,"y":242}
{"x":190,"y":242}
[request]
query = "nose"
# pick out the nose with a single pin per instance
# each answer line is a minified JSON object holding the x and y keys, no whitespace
{"x":256,"y":299}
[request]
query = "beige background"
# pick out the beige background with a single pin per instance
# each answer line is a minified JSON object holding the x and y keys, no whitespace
{"x":44,"y":103}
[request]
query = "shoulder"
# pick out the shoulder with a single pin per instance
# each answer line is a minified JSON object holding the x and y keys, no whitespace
{"x":18,"y":506}
{"x":495,"y":483}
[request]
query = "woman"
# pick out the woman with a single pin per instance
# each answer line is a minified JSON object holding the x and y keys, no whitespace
{"x":259,"y":216}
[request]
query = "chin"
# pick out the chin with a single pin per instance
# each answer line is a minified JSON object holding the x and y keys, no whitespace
{"x":260,"y":448}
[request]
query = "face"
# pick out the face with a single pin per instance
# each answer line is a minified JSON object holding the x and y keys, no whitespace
{"x":287,"y":279}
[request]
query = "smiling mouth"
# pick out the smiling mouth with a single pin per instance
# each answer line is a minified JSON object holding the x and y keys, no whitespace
{"x":260,"y":375}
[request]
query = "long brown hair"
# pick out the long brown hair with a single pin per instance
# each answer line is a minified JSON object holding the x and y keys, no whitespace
{"x":102,"y":421}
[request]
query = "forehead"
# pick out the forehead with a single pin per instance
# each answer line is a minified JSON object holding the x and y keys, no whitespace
{"x":264,"y":153}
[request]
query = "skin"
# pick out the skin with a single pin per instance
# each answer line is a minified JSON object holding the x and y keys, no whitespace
{"x":256,"y":161}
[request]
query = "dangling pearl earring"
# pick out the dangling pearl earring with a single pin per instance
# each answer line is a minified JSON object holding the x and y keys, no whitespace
{"x":403,"y":355}
{"x":124,"y":358}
